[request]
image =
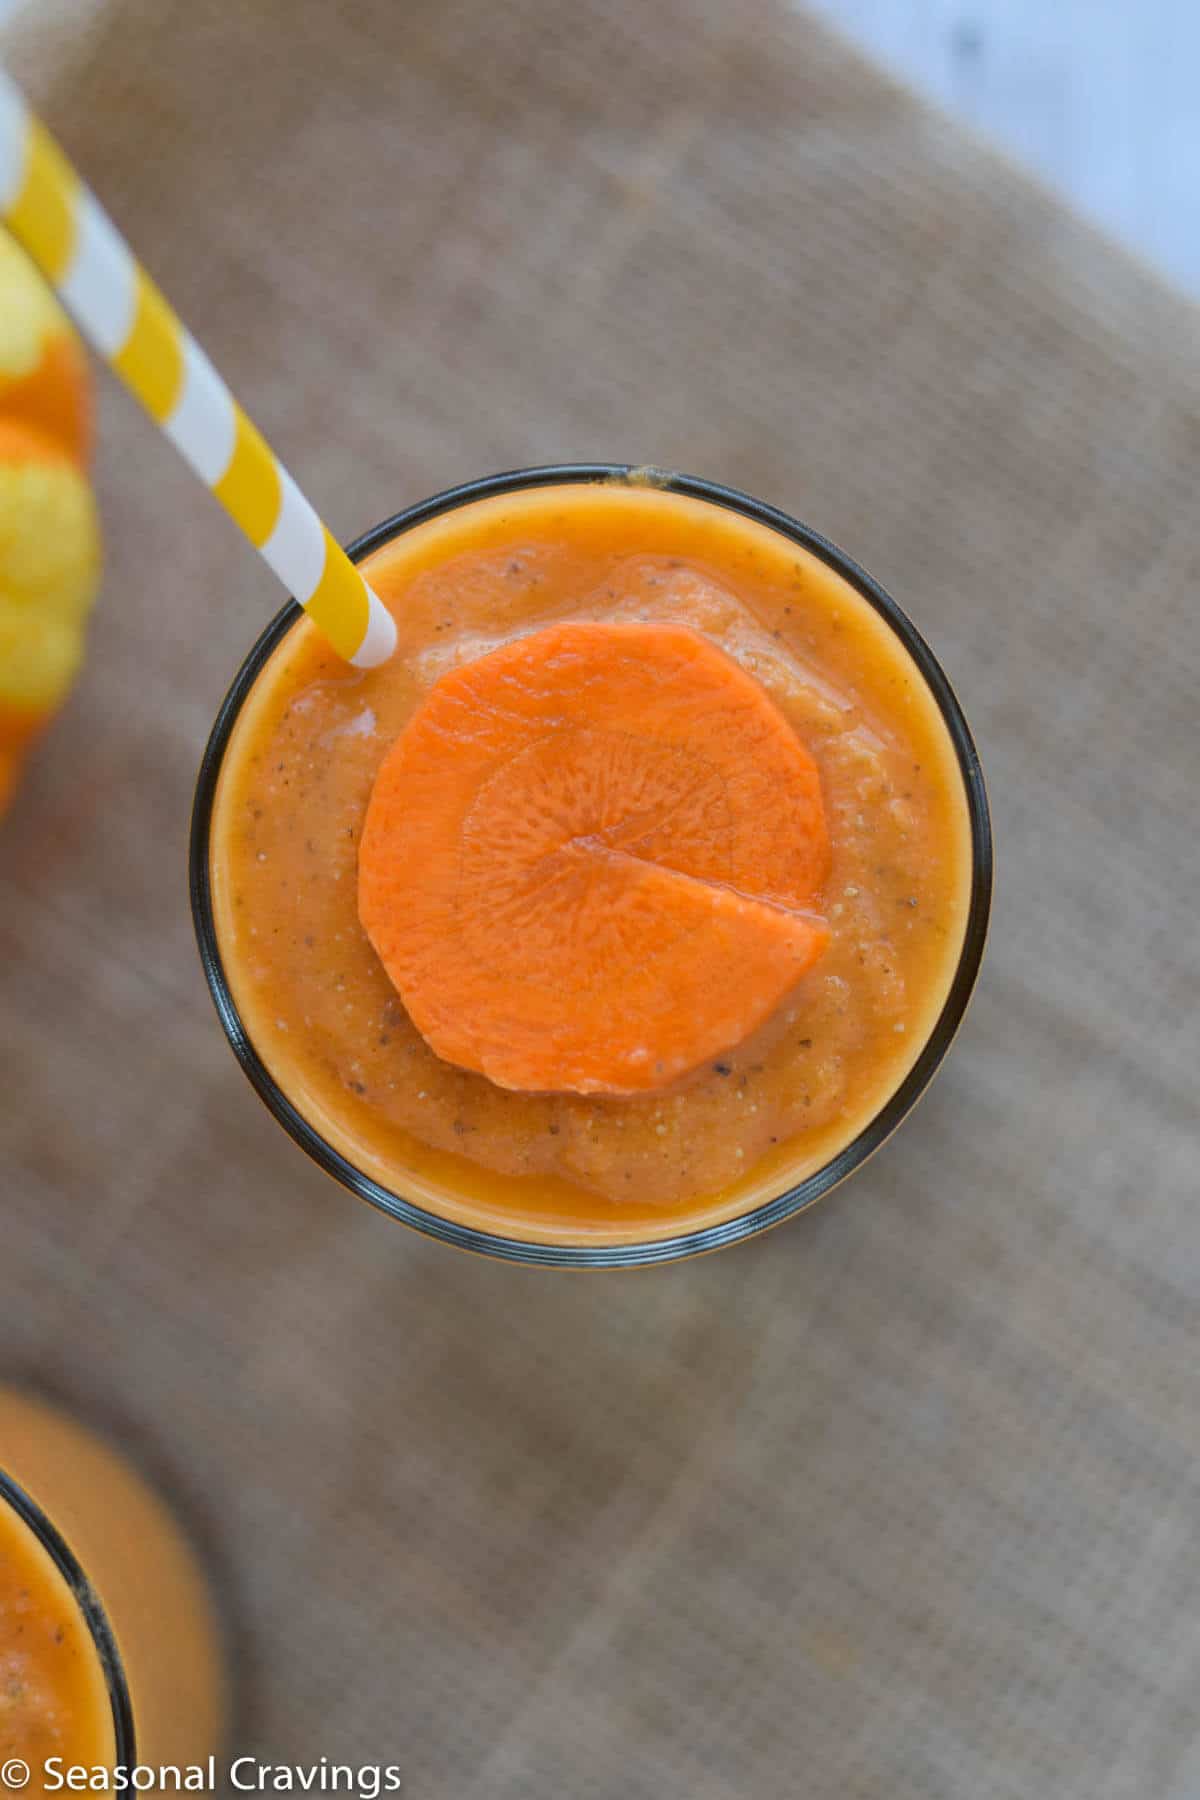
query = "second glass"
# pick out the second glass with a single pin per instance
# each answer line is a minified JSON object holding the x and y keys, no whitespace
{"x":108,"y":1632}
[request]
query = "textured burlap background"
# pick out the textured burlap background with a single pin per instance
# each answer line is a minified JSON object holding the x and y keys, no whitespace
{"x":900,"y":1501}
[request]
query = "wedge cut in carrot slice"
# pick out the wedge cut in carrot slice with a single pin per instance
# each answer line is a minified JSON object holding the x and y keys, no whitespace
{"x":591,"y":858}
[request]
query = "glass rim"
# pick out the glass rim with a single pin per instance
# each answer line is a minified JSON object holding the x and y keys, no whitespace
{"x":798,"y":1196}
{"x":87,"y":1600}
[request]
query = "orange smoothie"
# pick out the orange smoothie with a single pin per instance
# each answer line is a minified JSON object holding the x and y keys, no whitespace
{"x":123,"y":1658}
{"x":625,"y":897}
{"x":54,"y":1698}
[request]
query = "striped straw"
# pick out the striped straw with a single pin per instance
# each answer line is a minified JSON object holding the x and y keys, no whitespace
{"x":127,"y":320}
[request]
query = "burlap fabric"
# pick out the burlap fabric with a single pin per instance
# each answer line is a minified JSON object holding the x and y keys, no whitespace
{"x":901,"y":1500}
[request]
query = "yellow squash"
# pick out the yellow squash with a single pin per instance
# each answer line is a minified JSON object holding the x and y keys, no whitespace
{"x":49,"y":537}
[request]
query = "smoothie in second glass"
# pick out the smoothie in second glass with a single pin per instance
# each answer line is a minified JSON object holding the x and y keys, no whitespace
{"x":54,"y":1693}
{"x":626,"y":896}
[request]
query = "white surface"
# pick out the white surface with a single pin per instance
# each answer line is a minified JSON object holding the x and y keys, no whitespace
{"x":1100,"y":97}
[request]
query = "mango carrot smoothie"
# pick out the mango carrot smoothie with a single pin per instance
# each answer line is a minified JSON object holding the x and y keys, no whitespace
{"x":109,"y":1647}
{"x":54,"y":1694}
{"x":632,"y":892}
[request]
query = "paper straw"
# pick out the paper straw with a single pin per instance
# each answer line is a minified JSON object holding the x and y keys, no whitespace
{"x":126,"y":319}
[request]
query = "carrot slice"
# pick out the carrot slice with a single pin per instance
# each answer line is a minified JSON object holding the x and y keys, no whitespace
{"x":588,"y":859}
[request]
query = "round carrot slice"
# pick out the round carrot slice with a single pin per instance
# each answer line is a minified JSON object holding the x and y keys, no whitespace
{"x":589,"y":859}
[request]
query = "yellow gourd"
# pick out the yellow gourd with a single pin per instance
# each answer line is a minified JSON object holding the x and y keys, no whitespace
{"x":49,"y":537}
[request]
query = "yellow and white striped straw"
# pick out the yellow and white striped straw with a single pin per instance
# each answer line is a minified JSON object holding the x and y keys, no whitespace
{"x":126,"y":319}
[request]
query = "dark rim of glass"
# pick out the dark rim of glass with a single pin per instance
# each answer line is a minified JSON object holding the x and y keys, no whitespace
{"x":69,"y":1567}
{"x":804,"y":1193}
